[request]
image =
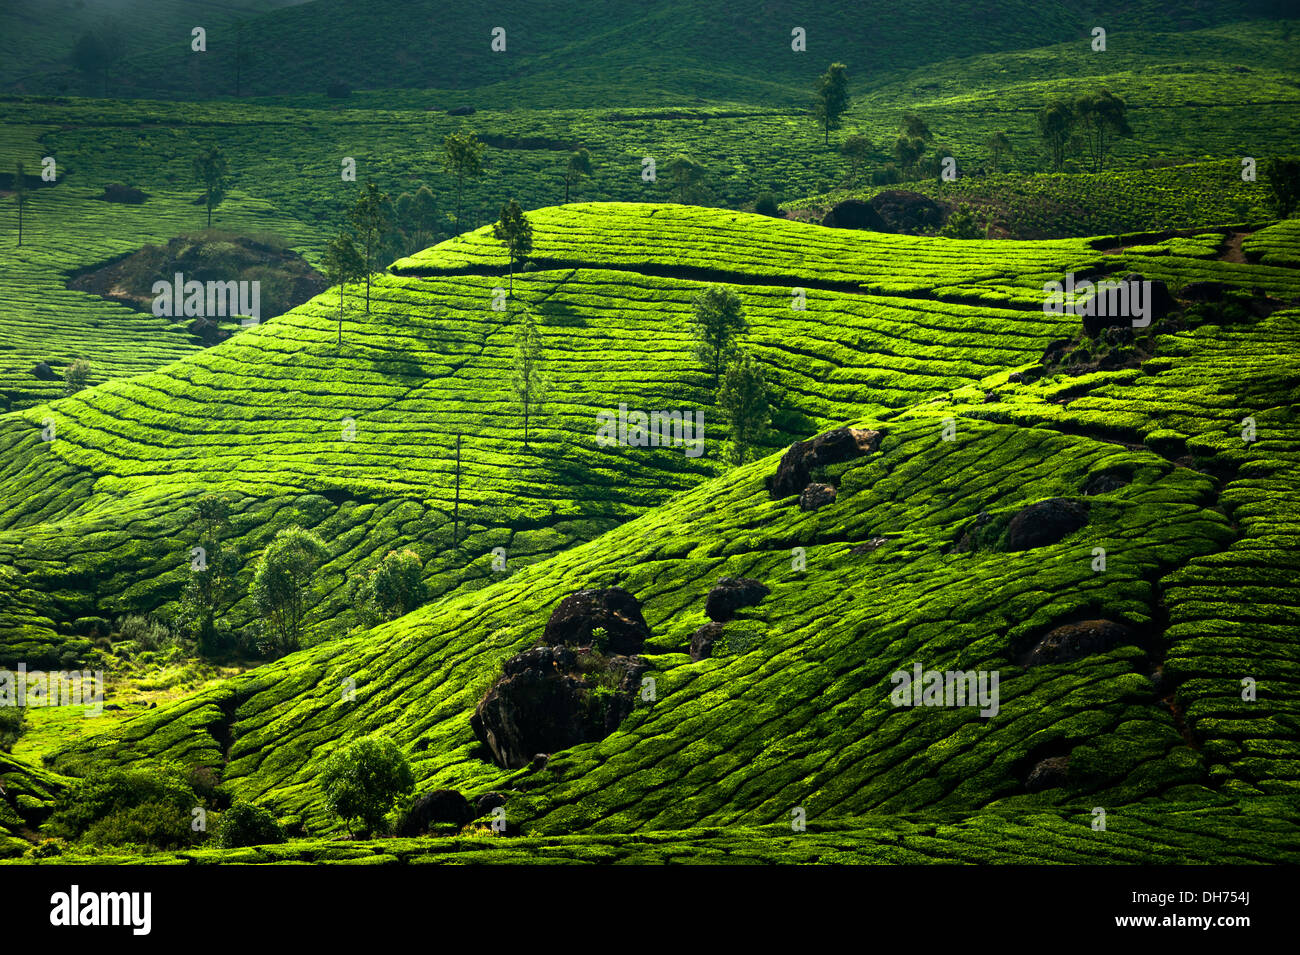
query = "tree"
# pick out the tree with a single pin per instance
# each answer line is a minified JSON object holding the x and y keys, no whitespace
{"x":396,"y":586}
{"x":343,"y":264}
{"x":856,"y":148}
{"x":462,"y":157}
{"x":528,"y":382}
{"x":914,"y":126}
{"x":744,"y":401}
{"x":243,"y":57}
{"x":1283,"y":176}
{"x":717,"y":320}
{"x":1056,"y":126}
{"x":766,"y":205}
{"x":212,"y":578}
{"x":908,"y":151}
{"x":363,"y":781}
{"x":417,"y":218}
{"x":1101,"y":117}
{"x":831,"y":98}
{"x":579,"y":165}
{"x":282,"y":582}
{"x":76,"y":376}
{"x":686,"y":176}
{"x":997,"y":144}
{"x":963,"y":224}
{"x":95,"y":51}
{"x":515,"y":232}
{"x":247,"y":824}
{"x":211,"y":169}
{"x":370,"y":221}
{"x":20,"y":196}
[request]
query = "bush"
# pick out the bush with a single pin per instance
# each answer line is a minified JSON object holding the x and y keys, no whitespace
{"x":766,"y":205}
{"x":76,"y":376}
{"x":148,"y":633}
{"x":248,"y":824}
{"x":281,"y":585}
{"x":963,"y":224}
{"x":396,"y":586}
{"x":363,"y":782}
{"x":11,"y":725}
{"x":141,"y":805}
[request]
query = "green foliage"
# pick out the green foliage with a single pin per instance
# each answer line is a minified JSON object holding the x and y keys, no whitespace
{"x":1100,"y":117}
{"x":744,"y":400}
{"x":396,"y":586}
{"x":282,"y":585}
{"x":856,"y":148}
{"x":417,"y":218}
{"x":528,"y":379}
{"x":998,"y":145}
{"x":831,"y":99}
{"x":144,"y":805}
{"x":1056,"y":123}
{"x":687,"y":177}
{"x":363,"y":781}
{"x":76,"y":376}
{"x":247,"y":824}
{"x":717,"y":319}
{"x":1282,"y":173}
{"x":577,"y":166}
{"x":12,"y":720}
{"x":462,"y":158}
{"x":370,"y":220}
{"x":343,"y":264}
{"x":515,"y":232}
{"x":212,"y":170}
{"x":963,"y":224}
{"x":766,"y":205}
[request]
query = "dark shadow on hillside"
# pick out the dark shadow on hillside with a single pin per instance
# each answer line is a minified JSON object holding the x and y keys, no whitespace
{"x":560,"y":315}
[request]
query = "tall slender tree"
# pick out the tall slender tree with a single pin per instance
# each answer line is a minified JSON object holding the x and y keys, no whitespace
{"x":1102,"y":117}
{"x":529,"y":380}
{"x":343,"y":264}
{"x":997,"y":145}
{"x":370,"y":221}
{"x":1056,"y":126}
{"x":20,"y":196}
{"x":515,"y":232}
{"x":462,"y":158}
{"x":578,"y":165}
{"x":212,"y":171}
{"x":717,"y":320}
{"x":831,"y":98}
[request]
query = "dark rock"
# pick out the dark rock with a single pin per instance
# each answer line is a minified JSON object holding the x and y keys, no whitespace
{"x":1045,"y":522}
{"x":815,"y":496}
{"x":991,"y":396}
{"x":907,"y":212}
{"x":487,"y":802}
{"x":545,"y":702}
{"x":854,"y":214}
{"x":612,"y":608}
{"x":539,"y":762}
{"x":440,"y":807}
{"x":116,"y":192}
{"x":1160,"y":302}
{"x":868,"y":547}
{"x":1072,"y":641}
{"x":732,"y":593}
{"x":1203,"y":292}
{"x":794,"y":472}
{"x":44,"y":372}
{"x":703,"y":639}
{"x":1053,"y":352}
{"x":1015,"y":377}
{"x":1104,"y":481}
{"x":1049,"y":773}
{"x":461,"y":111}
{"x":1119,"y":335}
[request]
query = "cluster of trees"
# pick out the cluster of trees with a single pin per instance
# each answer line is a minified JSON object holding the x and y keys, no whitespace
{"x":740,"y":392}
{"x":1088,"y":125}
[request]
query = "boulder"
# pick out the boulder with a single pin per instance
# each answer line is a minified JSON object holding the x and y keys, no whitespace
{"x":703,"y":639}
{"x":815,"y":496}
{"x":487,"y":802}
{"x":44,"y":372}
{"x":730,"y":594}
{"x":907,"y":212}
{"x":1203,"y":291}
{"x":794,"y":472}
{"x":440,"y":807}
{"x":854,"y":214}
{"x":1160,"y":303}
{"x":1072,"y":641}
{"x":1045,"y":522}
{"x":1048,"y":774}
{"x":611,"y":608}
{"x":544,"y":702}
{"x":1105,"y":481}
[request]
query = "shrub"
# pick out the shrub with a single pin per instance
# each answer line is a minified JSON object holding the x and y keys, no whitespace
{"x":76,"y":376}
{"x":963,"y":224}
{"x":363,"y":782}
{"x":766,"y":205}
{"x":248,"y":824}
{"x":149,"y":805}
{"x":396,"y":586}
{"x":281,"y":585}
{"x":11,"y":725}
{"x":147,"y":633}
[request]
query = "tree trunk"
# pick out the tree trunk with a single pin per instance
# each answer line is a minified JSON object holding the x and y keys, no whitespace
{"x":340,"y":315}
{"x":455,"y":527}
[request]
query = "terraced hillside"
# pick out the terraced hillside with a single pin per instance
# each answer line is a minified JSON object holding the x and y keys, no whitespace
{"x":934,"y":343}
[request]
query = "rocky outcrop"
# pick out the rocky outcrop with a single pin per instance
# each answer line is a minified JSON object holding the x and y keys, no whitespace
{"x":794,"y":472}
{"x":612,"y":609}
{"x":1045,"y":522}
{"x":1073,"y":641}
{"x":815,"y":496}
{"x":702,"y":641}
{"x":552,"y":698}
{"x":730,"y":594}
{"x":1049,"y":773}
{"x":440,"y":807}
